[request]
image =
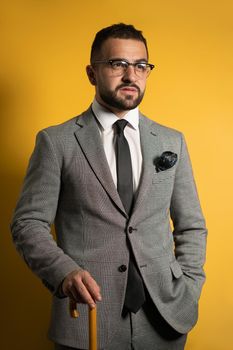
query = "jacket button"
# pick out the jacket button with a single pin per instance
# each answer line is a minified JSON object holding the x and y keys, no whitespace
{"x":122,"y":268}
{"x":130,"y":229}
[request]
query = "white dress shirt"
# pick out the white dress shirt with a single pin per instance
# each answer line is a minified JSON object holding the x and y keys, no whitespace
{"x":106,"y":120}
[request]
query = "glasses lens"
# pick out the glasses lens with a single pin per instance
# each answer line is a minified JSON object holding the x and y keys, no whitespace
{"x":142,"y":69}
{"x":118,"y":67}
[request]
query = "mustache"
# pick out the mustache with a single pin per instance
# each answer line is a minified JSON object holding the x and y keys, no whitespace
{"x":128,"y":85}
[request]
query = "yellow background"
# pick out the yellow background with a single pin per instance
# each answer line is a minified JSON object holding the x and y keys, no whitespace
{"x":44,"y":49}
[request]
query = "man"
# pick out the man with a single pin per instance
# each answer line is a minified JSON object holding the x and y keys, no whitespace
{"x":111,"y":179}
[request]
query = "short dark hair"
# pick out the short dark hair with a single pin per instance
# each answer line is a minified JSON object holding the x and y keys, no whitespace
{"x":119,"y":31}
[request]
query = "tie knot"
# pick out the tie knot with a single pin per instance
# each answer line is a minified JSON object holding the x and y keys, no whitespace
{"x":120,"y":125}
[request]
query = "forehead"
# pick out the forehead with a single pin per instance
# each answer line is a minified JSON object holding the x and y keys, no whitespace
{"x":129,"y":49}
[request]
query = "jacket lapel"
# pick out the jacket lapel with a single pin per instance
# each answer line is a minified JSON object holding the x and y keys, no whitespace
{"x":150,"y":148}
{"x":88,"y":137}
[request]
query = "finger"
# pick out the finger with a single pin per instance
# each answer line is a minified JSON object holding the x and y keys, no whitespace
{"x":84,"y":294}
{"x":78,"y":292}
{"x":92,"y":287}
{"x":73,"y":295}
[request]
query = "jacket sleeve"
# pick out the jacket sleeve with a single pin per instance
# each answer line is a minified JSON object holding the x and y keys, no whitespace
{"x":189,"y":225}
{"x":34,"y":214}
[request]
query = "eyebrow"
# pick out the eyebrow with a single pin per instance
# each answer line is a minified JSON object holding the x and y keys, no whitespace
{"x":124,"y":59}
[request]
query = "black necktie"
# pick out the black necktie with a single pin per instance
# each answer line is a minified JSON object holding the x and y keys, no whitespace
{"x":135,"y":295}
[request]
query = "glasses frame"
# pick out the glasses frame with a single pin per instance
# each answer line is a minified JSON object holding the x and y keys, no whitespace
{"x":133,"y":64}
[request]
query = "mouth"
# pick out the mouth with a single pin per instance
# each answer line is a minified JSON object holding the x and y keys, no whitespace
{"x":129,"y":89}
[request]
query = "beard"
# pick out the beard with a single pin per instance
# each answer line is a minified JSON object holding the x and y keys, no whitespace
{"x":125,"y":103}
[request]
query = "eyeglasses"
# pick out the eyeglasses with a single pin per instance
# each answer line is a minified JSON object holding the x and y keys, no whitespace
{"x":119,"y":67}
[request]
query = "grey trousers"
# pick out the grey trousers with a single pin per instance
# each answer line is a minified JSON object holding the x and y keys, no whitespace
{"x":145,"y":330}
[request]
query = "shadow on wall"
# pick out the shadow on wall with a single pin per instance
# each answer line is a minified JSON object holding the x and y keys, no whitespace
{"x":25,"y":302}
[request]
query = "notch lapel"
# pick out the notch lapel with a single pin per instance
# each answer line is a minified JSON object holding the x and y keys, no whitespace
{"x":88,"y":137}
{"x":150,"y":149}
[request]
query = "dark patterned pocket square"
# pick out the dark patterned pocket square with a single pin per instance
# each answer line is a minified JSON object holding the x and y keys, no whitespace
{"x":166,"y":161}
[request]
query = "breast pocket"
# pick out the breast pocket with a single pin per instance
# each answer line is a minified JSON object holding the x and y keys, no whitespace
{"x":166,"y":175}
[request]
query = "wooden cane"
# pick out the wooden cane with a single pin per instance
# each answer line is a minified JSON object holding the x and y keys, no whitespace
{"x":92,"y":329}
{"x":73,"y":308}
{"x":92,"y":323}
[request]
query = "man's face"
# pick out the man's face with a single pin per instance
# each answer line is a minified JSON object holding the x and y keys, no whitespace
{"x":122,"y":92}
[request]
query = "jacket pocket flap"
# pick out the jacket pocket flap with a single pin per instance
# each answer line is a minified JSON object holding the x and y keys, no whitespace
{"x":176,"y":269}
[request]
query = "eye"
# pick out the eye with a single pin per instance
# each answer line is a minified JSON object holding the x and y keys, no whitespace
{"x":119,"y":65}
{"x":141,"y":66}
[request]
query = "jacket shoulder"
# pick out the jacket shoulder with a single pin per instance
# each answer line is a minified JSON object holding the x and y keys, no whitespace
{"x":67,"y":128}
{"x":61,"y":129}
{"x":161,"y":129}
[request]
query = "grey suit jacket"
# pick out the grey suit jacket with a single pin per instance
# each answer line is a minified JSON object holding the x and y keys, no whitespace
{"x":68,"y":182}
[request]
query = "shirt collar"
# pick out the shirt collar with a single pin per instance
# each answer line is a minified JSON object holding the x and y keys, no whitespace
{"x":106,"y":118}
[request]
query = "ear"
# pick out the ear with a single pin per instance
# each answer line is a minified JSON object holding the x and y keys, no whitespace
{"x":91,"y":74}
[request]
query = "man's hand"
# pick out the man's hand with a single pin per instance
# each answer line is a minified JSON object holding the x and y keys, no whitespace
{"x":82,"y":288}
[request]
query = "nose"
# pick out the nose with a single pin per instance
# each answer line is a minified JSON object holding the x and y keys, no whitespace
{"x":129,"y":75}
